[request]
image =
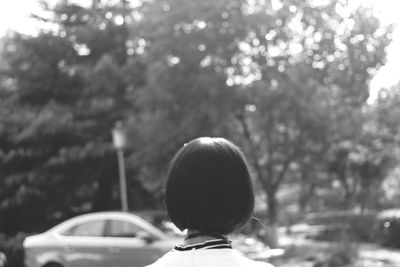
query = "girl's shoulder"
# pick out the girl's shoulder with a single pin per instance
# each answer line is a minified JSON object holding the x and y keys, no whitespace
{"x":168,"y":259}
{"x":261,"y":264}
{"x":253,"y":263}
{"x":220,"y":258}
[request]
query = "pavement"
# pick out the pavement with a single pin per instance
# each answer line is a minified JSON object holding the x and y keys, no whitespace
{"x":374,"y":252}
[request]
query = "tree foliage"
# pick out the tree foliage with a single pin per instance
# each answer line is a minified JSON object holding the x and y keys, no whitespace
{"x":63,"y":103}
{"x":287,"y":80}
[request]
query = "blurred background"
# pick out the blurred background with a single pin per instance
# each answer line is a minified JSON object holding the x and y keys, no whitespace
{"x":308,"y":89}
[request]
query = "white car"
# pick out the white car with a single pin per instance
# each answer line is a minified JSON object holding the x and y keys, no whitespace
{"x":101,"y":239}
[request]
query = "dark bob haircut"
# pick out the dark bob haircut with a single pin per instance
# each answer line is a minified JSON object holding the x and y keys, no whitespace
{"x":209,"y":187}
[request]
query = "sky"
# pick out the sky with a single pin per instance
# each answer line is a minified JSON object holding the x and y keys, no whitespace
{"x":14,"y":14}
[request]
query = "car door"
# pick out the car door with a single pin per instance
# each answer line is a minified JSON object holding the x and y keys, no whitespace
{"x":130,"y":245}
{"x":84,"y":244}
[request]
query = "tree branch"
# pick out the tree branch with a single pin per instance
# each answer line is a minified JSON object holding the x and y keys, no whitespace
{"x":248,"y":137}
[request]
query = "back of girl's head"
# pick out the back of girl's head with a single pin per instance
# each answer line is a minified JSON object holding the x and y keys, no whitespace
{"x":209,"y":187}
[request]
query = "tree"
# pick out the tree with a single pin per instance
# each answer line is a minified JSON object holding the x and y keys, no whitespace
{"x":64,"y":91}
{"x":185,"y":47}
{"x":385,"y":117}
{"x":313,"y":66}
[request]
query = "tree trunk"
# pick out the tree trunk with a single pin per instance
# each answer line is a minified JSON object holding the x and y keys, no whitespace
{"x":307,"y":192}
{"x":272,"y":230}
{"x":272,"y":204}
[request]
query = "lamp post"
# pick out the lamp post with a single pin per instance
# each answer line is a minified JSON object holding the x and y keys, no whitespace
{"x":119,"y":141}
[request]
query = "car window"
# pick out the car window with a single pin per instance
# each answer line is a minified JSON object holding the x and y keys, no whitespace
{"x":119,"y":228}
{"x":92,"y":228}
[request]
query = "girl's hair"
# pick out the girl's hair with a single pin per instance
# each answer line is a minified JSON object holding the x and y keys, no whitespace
{"x":209,"y":187}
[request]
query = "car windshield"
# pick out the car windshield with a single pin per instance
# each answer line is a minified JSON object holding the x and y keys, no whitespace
{"x":92,"y":228}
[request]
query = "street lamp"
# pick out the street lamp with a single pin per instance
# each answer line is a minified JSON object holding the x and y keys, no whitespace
{"x":119,"y":141}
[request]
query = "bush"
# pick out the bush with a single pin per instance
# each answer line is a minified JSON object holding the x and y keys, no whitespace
{"x":357,"y":226}
{"x":12,"y":247}
{"x":344,"y":254}
{"x":387,"y":228}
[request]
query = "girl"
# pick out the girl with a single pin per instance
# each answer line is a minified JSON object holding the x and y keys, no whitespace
{"x":208,"y":193}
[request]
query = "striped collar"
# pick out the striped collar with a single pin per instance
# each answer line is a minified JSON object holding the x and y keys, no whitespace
{"x":209,"y":244}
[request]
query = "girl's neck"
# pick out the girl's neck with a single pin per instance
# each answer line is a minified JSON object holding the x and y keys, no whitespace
{"x":195,"y":237}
